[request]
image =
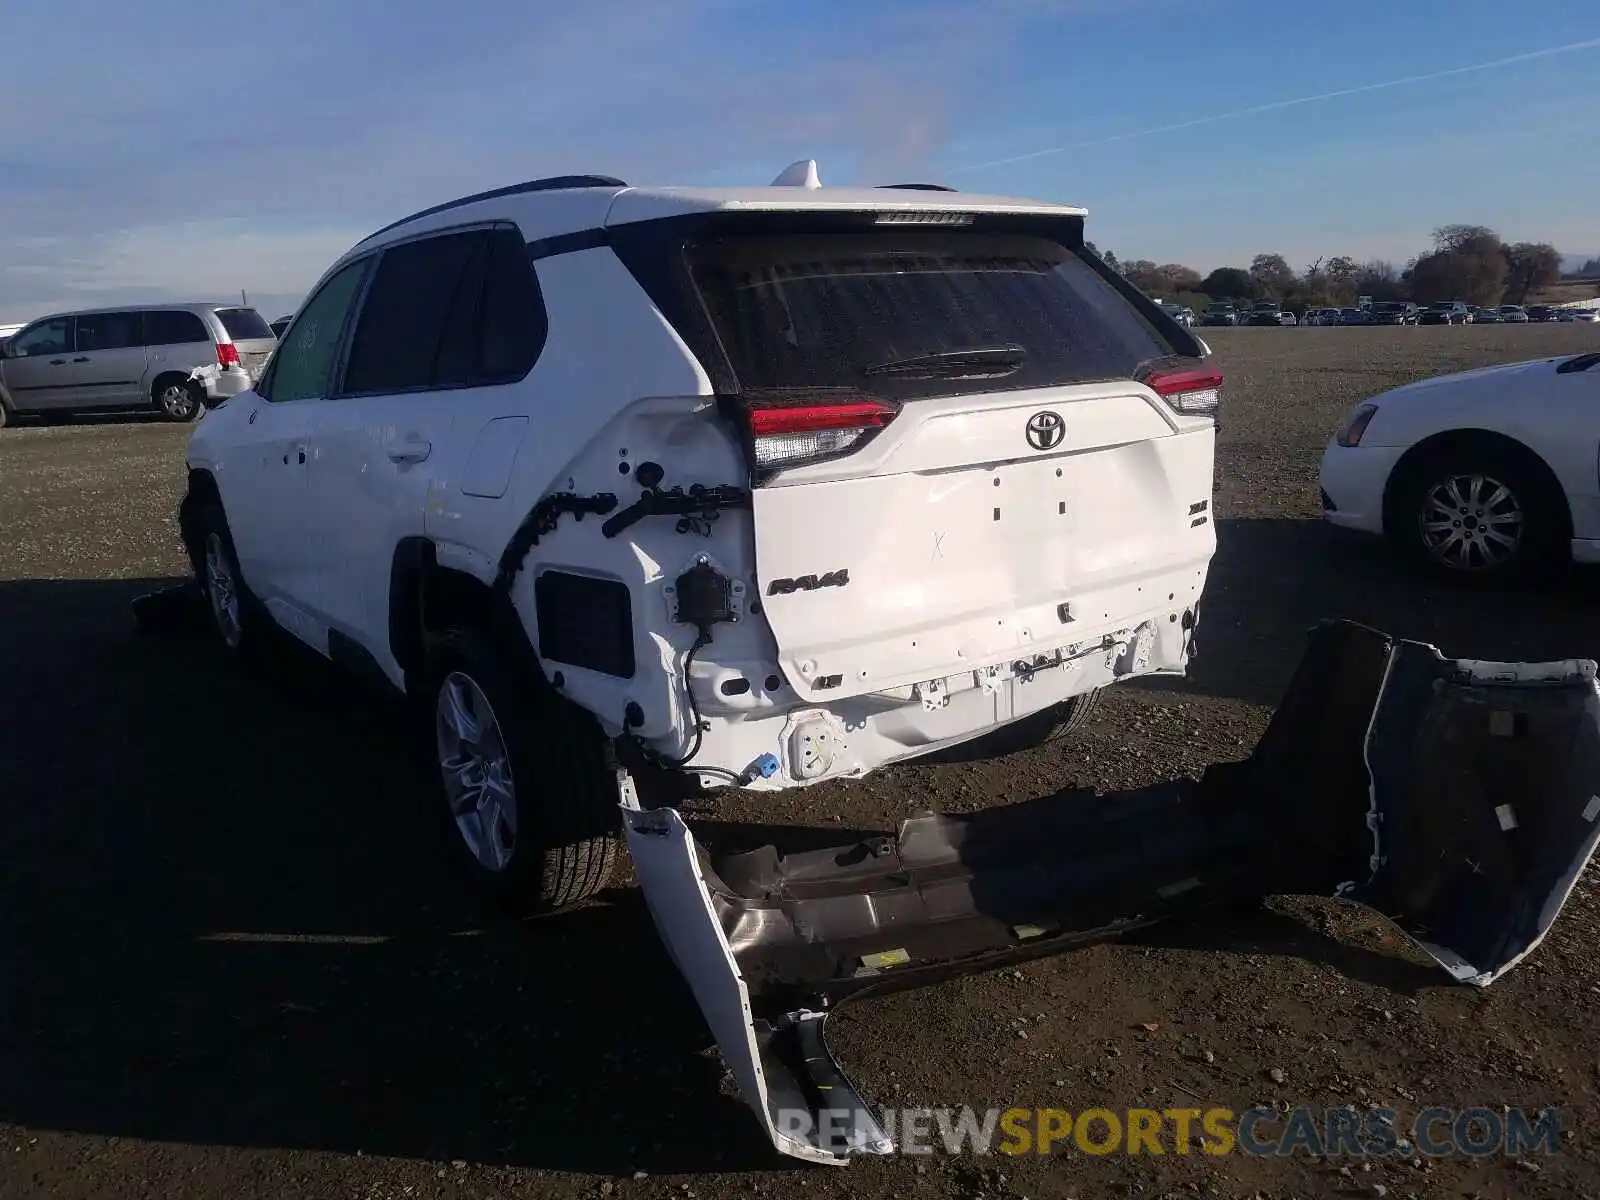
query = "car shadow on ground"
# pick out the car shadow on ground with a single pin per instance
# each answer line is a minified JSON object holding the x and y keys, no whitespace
{"x":1271,"y":580}
{"x":225,"y":925}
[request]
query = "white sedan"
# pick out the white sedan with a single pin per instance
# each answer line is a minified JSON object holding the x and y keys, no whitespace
{"x":1476,"y":475}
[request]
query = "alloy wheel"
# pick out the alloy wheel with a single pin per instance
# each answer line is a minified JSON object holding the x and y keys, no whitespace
{"x":476,"y":769}
{"x":222,"y":590}
{"x":1471,"y":523}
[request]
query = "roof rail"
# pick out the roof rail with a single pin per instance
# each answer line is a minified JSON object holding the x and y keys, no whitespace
{"x":916,"y":187}
{"x":550,"y":184}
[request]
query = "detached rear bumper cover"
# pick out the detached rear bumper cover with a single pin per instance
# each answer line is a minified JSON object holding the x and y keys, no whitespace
{"x":1457,"y":798}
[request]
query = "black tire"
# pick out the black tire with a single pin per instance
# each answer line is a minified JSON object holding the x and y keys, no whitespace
{"x":5,"y":415}
{"x":561,"y":851}
{"x":1047,"y":725}
{"x":206,"y":534}
{"x":176,"y":398}
{"x":1541,"y":540}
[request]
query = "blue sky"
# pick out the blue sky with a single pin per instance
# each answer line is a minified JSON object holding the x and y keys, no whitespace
{"x":170,"y":154}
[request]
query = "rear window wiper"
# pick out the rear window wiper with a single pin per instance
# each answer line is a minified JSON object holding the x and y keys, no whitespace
{"x":974,"y":361}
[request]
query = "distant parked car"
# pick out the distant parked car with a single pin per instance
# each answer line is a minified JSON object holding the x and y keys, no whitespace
{"x":1183,"y":316}
{"x":174,"y":358}
{"x":1585,"y":316}
{"x":1478,"y":474}
{"x":1355,"y":316}
{"x":1321,"y":316}
{"x":1446,"y":312}
{"x":1486,"y":316}
{"x":1265,"y":312}
{"x":1394,"y":312}
{"x":1513,"y":314}
{"x":1220,"y":314}
{"x":281,"y":324}
{"x":1543,"y":312}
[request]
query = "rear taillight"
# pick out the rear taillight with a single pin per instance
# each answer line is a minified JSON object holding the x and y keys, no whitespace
{"x":1193,"y":391}
{"x":227,"y":354}
{"x":789,"y":433}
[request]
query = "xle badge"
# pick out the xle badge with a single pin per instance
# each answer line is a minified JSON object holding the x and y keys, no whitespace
{"x":1045,"y":430}
{"x":808,"y":583}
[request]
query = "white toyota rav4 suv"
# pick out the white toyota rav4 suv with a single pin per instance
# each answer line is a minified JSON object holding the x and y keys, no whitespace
{"x":748,"y":486}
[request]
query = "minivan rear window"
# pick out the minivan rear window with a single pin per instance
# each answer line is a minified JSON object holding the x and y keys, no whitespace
{"x":914,"y":313}
{"x":245,"y":324}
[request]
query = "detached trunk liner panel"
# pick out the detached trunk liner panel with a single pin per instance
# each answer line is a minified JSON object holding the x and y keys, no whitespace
{"x":1459,"y":799}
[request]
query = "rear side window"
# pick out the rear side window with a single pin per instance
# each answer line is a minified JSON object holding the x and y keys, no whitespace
{"x":397,"y":337}
{"x":244,"y":324}
{"x":460,"y":310}
{"x":173,"y":327}
{"x":109,"y":331}
{"x":895,"y":313}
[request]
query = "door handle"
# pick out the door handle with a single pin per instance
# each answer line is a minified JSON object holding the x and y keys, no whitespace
{"x":80,"y":360}
{"x":58,"y":362}
{"x":299,"y":452}
{"x":412,"y":450}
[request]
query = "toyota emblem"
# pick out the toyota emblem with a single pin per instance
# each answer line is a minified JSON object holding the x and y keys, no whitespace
{"x":1046,"y":430}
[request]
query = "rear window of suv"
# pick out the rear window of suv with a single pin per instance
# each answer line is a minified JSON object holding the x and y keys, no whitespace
{"x":244,"y":324}
{"x":863,"y":311}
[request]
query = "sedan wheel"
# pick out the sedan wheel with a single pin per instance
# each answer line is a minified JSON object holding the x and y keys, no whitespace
{"x":1471,"y":523}
{"x":476,"y":769}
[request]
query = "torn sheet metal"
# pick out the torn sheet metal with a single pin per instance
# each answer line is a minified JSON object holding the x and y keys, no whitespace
{"x":207,"y":375}
{"x":1457,"y":798}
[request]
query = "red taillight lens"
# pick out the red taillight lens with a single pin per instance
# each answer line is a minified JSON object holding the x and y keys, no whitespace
{"x":227,"y":355}
{"x":1193,"y":391}
{"x":810,"y":429}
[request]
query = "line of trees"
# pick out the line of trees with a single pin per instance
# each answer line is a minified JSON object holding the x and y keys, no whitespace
{"x":1470,"y":263}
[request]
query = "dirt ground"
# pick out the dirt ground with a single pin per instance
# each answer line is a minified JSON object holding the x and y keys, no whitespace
{"x":232,"y":965}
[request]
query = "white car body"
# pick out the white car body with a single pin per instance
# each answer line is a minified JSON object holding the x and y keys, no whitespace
{"x":1541,"y":412}
{"x":944,"y":579}
{"x":1585,"y":316}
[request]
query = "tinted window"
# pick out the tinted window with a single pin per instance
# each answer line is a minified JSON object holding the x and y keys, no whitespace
{"x":109,"y":331}
{"x":825,"y":310}
{"x":244,"y":324}
{"x":48,"y":337}
{"x":397,"y":339}
{"x":302,"y":367}
{"x":173,"y":327}
{"x":512,"y":323}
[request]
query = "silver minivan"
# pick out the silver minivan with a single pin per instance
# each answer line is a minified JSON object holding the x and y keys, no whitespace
{"x":173,"y":358}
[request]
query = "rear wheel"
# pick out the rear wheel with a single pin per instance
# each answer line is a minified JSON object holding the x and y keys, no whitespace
{"x":5,"y":415}
{"x":1478,"y":513}
{"x":527,"y":785}
{"x":176,"y":398}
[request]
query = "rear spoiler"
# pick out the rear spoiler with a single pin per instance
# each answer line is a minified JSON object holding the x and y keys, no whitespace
{"x":1457,"y":798}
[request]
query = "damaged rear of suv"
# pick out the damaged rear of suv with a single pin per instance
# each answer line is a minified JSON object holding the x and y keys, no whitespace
{"x":879,"y":473}
{"x":978,"y":470}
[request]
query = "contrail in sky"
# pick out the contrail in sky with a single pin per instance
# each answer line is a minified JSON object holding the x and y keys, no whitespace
{"x":1278,"y":105}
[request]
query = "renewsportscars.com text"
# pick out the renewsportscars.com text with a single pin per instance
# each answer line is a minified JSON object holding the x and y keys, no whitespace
{"x":1262,"y":1132}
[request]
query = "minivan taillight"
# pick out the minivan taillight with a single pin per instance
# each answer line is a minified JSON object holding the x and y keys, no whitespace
{"x":1193,"y":391}
{"x":227,"y":354}
{"x":807,"y":429}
